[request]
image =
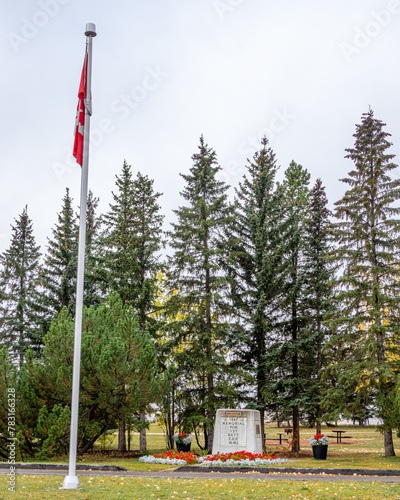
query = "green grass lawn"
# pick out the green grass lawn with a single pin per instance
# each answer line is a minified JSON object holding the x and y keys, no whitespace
{"x":99,"y":488}
{"x":363,"y":450}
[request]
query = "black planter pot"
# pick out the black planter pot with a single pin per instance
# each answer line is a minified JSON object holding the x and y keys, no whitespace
{"x":183,"y":447}
{"x":320,"y":451}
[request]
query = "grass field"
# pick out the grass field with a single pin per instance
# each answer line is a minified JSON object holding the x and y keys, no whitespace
{"x":370,"y":437}
{"x":99,"y":488}
{"x":363,"y":450}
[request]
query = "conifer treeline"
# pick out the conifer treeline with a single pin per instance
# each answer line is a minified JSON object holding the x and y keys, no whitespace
{"x":270,"y":301}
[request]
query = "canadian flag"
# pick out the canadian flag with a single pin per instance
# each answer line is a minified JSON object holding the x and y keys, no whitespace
{"x":80,"y":115}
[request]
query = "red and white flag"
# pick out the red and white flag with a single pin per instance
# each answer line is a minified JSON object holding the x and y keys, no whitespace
{"x":80,"y":115}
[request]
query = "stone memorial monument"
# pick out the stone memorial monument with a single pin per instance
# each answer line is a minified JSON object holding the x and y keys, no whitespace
{"x":237,"y":430}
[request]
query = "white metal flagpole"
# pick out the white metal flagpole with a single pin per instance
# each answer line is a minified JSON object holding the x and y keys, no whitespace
{"x":71,"y":481}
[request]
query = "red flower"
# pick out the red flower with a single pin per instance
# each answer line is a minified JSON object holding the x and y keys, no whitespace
{"x":239,"y":455}
{"x":190,"y":457}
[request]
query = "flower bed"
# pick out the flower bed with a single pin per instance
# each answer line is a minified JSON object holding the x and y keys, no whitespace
{"x":241,"y":459}
{"x":171,"y":458}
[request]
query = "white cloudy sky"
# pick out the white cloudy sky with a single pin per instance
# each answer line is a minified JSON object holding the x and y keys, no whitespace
{"x":300,"y":71}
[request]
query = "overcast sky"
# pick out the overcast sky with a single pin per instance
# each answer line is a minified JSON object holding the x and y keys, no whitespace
{"x":301,"y":72}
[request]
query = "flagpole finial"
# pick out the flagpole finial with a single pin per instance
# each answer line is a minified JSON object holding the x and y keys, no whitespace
{"x":90,"y":29}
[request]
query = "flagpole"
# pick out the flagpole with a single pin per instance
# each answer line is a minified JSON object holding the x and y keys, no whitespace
{"x":71,"y":481}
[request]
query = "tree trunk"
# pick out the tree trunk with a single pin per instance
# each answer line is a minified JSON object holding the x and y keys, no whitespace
{"x":296,"y":412}
{"x":91,"y":441}
{"x":388,"y":439}
{"x":129,"y":434}
{"x":121,"y":436}
{"x":169,"y":418}
{"x":318,"y":423}
{"x":295,"y":364}
{"x":210,"y":377}
{"x":143,"y":440}
{"x":210,"y":439}
{"x":209,"y":415}
{"x":296,"y":429}
{"x":197,"y":436}
{"x":260,"y":386}
{"x":206,"y":439}
{"x":262,"y":427}
{"x":318,"y":426}
{"x":261,"y":376}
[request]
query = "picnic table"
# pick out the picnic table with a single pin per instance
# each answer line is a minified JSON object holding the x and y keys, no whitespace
{"x":280,"y":439}
{"x":339,"y":435}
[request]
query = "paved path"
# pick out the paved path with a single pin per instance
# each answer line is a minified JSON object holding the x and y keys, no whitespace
{"x":175,"y":473}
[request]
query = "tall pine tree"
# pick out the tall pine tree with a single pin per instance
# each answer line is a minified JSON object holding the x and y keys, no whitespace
{"x":296,"y":190}
{"x":195,"y":273}
{"x":19,"y":269}
{"x":368,"y":290}
{"x":318,"y":303}
{"x":254,"y":267}
{"x":92,"y":294}
{"x":131,"y":243}
{"x":58,"y":277}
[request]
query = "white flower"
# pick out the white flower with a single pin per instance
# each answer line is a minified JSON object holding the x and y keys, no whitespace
{"x":242,"y":463}
{"x":153,"y":460}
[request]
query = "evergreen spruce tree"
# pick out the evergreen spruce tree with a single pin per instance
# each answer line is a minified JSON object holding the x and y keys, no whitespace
{"x":19,"y":269}
{"x":92,"y":283}
{"x":254,"y":267}
{"x":318,"y":303}
{"x":195,"y":273}
{"x":131,"y":242}
{"x":291,"y":329}
{"x":56,"y":283}
{"x":58,"y":278}
{"x":368,"y":290}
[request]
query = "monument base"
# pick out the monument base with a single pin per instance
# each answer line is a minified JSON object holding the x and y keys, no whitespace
{"x":237,"y":430}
